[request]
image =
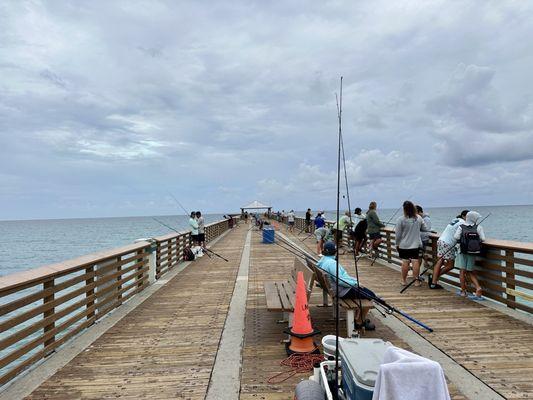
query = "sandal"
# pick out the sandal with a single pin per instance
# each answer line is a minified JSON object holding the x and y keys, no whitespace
{"x":477,"y":298}
{"x":461,"y":293}
{"x":418,"y":283}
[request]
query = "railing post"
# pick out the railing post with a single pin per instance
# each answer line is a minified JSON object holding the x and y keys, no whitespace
{"x":152,"y":263}
{"x":509,"y":277}
{"x":48,"y":299}
{"x":389,"y":247}
{"x":140,"y":274}
{"x":118,"y":278}
{"x":90,"y":292}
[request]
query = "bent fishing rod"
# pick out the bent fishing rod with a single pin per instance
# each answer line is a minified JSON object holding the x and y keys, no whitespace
{"x":179,"y":204}
{"x":389,"y":309}
{"x":440,"y":258}
{"x":203,"y":248}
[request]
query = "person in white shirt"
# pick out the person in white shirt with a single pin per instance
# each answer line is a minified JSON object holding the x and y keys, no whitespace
{"x":290,"y":220}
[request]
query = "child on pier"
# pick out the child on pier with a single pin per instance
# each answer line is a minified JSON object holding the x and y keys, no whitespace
{"x":470,"y":236}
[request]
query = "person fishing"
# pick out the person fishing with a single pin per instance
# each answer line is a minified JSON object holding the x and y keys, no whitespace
{"x":201,"y":229}
{"x":470,"y":236}
{"x":193,"y":225}
{"x":308,"y":221}
{"x":424,"y":235}
{"x":322,"y":235}
{"x":446,"y":251}
{"x":408,"y":242}
{"x":348,"y":286}
{"x":319,"y":220}
{"x":359,"y":231}
{"x":290,"y":220}
{"x":338,"y":228}
{"x":374,"y":227}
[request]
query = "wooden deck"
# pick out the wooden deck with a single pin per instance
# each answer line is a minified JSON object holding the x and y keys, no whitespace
{"x":166,"y":347}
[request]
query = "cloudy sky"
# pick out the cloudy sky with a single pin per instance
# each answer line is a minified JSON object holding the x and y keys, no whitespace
{"x":107,"y":106}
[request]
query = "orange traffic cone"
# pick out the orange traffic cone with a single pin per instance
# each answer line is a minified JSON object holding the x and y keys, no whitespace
{"x":302,"y":331}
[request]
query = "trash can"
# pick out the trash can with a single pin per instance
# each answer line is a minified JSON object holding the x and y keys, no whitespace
{"x":268,"y":235}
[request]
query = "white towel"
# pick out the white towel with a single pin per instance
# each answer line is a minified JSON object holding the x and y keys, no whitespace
{"x":404,"y":375}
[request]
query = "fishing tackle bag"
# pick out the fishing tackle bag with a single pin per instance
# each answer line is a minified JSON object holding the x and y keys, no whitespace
{"x":188,"y":255}
{"x":470,"y":241}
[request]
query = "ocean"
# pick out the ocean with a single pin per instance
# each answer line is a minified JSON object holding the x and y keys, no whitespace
{"x":33,"y":243}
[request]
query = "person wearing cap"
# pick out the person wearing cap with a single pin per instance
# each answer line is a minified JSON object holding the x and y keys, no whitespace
{"x":348,"y":286}
{"x":319,"y":220}
{"x":446,"y":250}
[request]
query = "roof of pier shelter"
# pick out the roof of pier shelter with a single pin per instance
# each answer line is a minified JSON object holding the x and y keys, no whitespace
{"x":256,"y":205}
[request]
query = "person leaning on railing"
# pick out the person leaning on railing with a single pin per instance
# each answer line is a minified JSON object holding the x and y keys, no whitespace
{"x":374,"y":226}
{"x":408,"y":240}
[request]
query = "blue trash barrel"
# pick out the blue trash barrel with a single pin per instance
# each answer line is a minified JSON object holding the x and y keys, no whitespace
{"x":268,"y":235}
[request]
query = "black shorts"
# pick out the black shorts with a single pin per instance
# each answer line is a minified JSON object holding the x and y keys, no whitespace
{"x":408,"y":254}
{"x":358,"y":235}
{"x":374,"y":236}
{"x":194,"y":238}
{"x":201,"y":237}
{"x":338,"y":233}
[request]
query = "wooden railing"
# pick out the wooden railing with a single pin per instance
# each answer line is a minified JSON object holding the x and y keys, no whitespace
{"x":42,"y":308}
{"x":505,"y":269}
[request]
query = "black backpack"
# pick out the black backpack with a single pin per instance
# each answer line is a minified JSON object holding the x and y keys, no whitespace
{"x":470,"y":240}
{"x":188,"y":255}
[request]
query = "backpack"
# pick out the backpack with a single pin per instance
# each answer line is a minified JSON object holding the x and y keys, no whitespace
{"x":470,"y":241}
{"x":188,"y":255}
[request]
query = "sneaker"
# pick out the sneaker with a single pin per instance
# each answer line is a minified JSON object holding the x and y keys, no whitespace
{"x":435,"y":286}
{"x":369,"y":326}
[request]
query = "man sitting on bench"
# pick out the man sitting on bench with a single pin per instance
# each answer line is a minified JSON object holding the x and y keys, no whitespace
{"x":348,"y":287}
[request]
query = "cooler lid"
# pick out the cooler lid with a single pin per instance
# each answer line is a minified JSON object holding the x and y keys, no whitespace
{"x":363,"y":357}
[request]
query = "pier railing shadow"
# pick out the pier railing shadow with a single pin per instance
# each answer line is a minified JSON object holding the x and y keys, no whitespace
{"x":42,"y":308}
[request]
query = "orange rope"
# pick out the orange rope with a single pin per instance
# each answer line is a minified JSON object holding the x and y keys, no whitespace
{"x":298,"y":363}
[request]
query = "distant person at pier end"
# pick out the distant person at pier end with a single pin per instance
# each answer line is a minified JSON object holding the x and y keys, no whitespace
{"x":446,"y":250}
{"x":470,"y":236}
{"x":308,"y":221}
{"x":201,"y":229}
{"x":424,"y":236}
{"x":290,"y":220}
{"x":408,"y":240}
{"x":348,"y":287}
{"x":193,"y":225}
{"x":374,"y":227}
{"x":359,"y":231}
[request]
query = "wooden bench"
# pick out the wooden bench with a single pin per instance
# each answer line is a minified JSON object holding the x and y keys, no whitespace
{"x":352,"y":308}
{"x":280,"y":295}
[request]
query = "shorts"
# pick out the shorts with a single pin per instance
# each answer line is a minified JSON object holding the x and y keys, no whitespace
{"x":446,"y":251}
{"x":194,"y":238}
{"x":465,"y":261}
{"x":320,"y":234}
{"x":291,"y":223}
{"x":408,"y":254}
{"x":358,"y":235}
{"x":201,"y":237}
{"x":338,"y":234}
{"x":374,"y":236}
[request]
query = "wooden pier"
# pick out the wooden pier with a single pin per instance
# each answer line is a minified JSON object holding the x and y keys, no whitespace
{"x":167,"y":346}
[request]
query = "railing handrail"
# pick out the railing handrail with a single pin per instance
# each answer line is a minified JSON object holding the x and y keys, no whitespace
{"x":49,"y":271}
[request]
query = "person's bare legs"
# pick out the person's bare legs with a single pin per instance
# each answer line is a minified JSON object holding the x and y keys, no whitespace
{"x":405,"y":269}
{"x":462,"y":280}
{"x":473,"y":277}
{"x":436,"y":271}
{"x":416,"y":271}
{"x":319,"y":247}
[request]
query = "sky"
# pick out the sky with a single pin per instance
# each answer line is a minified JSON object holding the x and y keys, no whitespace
{"x":108,"y":107}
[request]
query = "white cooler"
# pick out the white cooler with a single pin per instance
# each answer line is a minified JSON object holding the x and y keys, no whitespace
{"x":361,"y":359}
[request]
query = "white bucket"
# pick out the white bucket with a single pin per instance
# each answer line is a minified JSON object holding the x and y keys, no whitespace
{"x":328,"y":343}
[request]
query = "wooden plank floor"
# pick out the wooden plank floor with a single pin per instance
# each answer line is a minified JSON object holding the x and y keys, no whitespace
{"x":165,"y":348}
{"x":495,"y":347}
{"x":263,"y":351}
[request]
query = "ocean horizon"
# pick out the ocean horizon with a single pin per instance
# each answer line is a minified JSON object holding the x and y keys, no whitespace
{"x":31,"y":243}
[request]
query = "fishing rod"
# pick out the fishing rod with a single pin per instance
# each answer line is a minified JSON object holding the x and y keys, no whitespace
{"x":179,"y":204}
{"x":440,"y":258}
{"x":389,"y":309}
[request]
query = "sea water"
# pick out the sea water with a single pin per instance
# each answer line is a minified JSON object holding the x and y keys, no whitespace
{"x":33,"y":243}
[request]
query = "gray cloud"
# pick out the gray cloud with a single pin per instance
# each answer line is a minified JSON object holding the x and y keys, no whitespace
{"x":106,"y":106}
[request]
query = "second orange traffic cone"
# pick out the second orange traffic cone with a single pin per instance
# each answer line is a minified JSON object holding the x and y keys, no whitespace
{"x":302,"y":331}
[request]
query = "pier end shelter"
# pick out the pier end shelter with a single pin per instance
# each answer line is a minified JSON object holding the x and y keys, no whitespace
{"x":256,"y":205}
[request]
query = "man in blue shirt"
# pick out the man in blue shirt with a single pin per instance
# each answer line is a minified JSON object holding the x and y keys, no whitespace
{"x":319,"y":221}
